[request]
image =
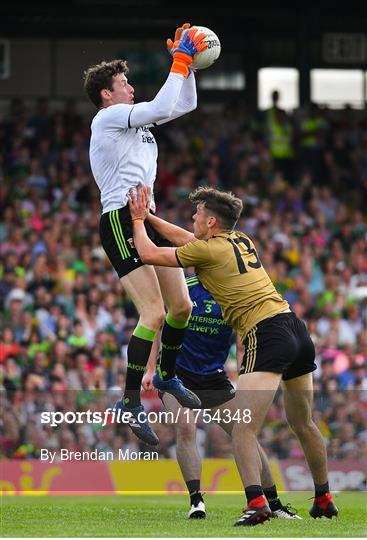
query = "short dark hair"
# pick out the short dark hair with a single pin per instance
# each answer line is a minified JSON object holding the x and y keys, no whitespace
{"x":225,"y":206}
{"x":100,"y":76}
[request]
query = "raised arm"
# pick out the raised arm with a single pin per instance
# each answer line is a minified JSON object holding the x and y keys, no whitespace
{"x":178,"y":95}
{"x":161,"y":107}
{"x":149,"y":253}
{"x":186,"y":102}
{"x":176,"y":235}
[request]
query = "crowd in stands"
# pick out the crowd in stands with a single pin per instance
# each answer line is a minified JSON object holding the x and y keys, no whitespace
{"x":66,"y":321}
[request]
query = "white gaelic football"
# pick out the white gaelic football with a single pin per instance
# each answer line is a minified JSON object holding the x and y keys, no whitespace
{"x":206,"y":58}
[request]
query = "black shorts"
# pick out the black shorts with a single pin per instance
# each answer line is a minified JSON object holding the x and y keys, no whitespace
{"x":280,"y":344}
{"x":116,"y":232}
{"x":212,"y":390}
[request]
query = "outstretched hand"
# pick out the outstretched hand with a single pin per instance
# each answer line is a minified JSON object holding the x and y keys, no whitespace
{"x":139,"y":205}
{"x":174,"y":44}
{"x":191,"y":43}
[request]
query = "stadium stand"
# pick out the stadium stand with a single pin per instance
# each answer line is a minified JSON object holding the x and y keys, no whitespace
{"x":65,"y":323}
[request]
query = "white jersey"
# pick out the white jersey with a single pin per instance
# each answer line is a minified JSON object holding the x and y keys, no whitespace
{"x":123,"y":151}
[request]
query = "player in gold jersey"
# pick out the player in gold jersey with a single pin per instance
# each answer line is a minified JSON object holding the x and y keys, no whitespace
{"x":277,"y":344}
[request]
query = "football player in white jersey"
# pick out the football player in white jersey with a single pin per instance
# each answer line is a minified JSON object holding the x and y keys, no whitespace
{"x":123,"y":156}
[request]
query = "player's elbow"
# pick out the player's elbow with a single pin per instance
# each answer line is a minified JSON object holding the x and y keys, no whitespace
{"x":146,"y":257}
{"x":189,"y":106}
{"x":163,"y":110}
{"x":194,"y":105}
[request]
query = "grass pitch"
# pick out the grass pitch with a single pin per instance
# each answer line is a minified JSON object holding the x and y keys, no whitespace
{"x":166,"y":516}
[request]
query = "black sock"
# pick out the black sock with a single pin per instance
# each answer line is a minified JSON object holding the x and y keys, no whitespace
{"x":193,"y":487}
{"x":252,"y":492}
{"x":138,"y":352}
{"x":321,"y":489}
{"x":172,"y":337}
{"x":272,"y":496}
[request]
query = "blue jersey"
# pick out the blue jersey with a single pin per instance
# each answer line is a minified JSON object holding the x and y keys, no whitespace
{"x":208,"y":337}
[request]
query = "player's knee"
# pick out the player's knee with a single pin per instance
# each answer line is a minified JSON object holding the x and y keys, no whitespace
{"x":153,"y":319}
{"x":242,"y":429}
{"x":302,"y":427}
{"x":182,"y":310}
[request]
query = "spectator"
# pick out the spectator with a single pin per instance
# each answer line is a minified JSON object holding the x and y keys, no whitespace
{"x":66,"y":323}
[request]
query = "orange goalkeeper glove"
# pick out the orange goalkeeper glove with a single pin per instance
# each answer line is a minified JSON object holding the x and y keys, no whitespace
{"x":190,"y":44}
{"x":174,"y":44}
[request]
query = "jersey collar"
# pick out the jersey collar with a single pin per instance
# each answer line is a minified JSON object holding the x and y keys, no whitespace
{"x":223,"y":235}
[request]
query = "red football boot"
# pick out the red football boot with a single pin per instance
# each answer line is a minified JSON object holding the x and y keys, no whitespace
{"x":256,"y":512}
{"x":324,"y":506}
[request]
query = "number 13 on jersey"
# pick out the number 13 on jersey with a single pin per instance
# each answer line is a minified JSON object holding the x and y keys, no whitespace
{"x":242,"y":250}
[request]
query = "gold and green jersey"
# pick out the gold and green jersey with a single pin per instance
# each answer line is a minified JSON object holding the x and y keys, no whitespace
{"x":230,"y":269}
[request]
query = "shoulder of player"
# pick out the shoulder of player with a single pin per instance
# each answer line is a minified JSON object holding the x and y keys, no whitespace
{"x":194,"y":243}
{"x":105,"y":114}
{"x":224,"y":237}
{"x":219,"y":238}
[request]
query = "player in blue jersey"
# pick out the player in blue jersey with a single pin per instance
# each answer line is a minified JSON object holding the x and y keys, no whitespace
{"x":200,"y":366}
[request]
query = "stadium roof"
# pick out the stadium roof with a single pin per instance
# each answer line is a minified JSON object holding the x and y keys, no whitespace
{"x":156,"y":18}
